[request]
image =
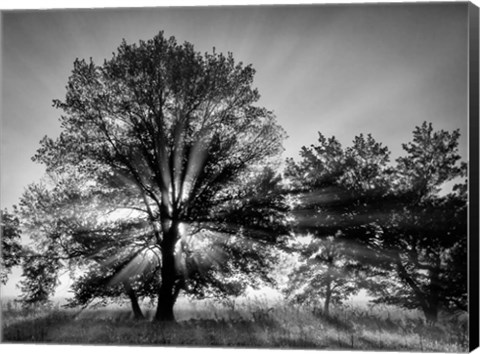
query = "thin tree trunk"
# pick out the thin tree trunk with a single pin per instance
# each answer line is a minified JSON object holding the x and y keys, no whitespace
{"x":137,"y":312}
{"x":328,"y":287}
{"x":431,"y":313}
{"x":328,"y":295}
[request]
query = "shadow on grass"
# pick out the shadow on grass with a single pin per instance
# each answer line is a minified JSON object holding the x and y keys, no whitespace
{"x":36,"y":329}
{"x":282,"y":327}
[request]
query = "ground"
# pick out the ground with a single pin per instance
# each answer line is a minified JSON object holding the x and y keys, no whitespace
{"x":251,"y":323}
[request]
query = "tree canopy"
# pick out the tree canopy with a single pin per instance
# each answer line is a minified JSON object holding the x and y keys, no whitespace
{"x":400,"y":228}
{"x":176,"y":136}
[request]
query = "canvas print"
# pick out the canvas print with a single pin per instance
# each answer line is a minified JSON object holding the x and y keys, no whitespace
{"x":291,"y":176}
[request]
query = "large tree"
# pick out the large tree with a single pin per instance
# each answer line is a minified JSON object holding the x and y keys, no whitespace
{"x":182,"y":128}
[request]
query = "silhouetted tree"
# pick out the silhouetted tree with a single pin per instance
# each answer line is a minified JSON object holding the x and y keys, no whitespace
{"x":338,"y":195}
{"x":179,"y":127}
{"x":408,"y":238}
{"x":426,"y":233}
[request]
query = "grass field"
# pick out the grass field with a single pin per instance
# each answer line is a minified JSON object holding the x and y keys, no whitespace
{"x":252,"y":323}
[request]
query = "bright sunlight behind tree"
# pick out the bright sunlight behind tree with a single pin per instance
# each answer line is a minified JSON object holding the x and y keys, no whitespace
{"x":180,"y":134}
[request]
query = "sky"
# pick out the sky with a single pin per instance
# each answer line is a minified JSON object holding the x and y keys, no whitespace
{"x":340,"y":70}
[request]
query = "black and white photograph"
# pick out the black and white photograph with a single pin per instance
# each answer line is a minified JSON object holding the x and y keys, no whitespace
{"x":282,"y":176}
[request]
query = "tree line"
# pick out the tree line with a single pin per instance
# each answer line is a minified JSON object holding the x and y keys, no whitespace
{"x":167,"y":178}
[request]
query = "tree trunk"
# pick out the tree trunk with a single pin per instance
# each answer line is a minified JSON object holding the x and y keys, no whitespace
{"x":328,"y":295}
{"x":432,"y":298}
{"x":137,"y":312}
{"x":427,"y":303}
{"x":328,"y":285}
{"x":168,"y":292}
{"x":431,"y":315}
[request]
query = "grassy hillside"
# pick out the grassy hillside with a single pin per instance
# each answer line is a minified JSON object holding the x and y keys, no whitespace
{"x":252,"y":323}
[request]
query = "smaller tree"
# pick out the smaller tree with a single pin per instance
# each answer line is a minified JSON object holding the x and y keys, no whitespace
{"x":408,"y":235}
{"x":11,"y":248}
{"x":112,"y":283}
{"x":424,"y":237}
{"x":337,"y":192}
{"x":426,"y":247}
{"x":325,"y":272}
{"x":71,"y":229}
{"x":39,"y":277}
